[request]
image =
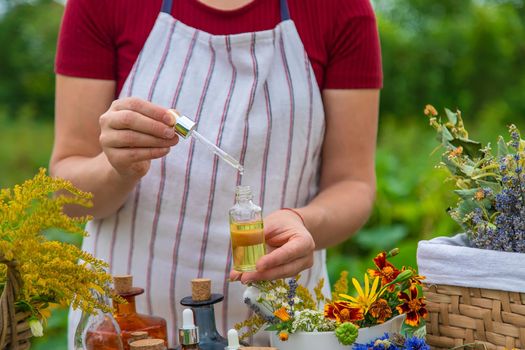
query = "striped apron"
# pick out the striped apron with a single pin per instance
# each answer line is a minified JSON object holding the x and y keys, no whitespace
{"x":253,"y":94}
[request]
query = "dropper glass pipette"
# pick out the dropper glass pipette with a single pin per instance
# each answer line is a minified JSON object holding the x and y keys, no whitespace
{"x":185,"y":127}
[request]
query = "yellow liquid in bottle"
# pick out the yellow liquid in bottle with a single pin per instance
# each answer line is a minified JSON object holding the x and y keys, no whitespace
{"x":247,"y":244}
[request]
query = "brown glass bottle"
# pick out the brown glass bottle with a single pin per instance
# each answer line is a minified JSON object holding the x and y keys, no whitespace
{"x":127,"y":317}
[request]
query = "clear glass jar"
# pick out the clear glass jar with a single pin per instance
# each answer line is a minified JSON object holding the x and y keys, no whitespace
{"x":246,"y":229}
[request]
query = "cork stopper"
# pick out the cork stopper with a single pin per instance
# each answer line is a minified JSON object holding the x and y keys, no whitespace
{"x":148,"y":344}
{"x":137,"y":335}
{"x":123,"y":283}
{"x":200,"y":289}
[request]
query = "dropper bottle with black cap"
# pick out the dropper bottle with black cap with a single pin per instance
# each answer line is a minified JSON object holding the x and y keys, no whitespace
{"x":202,"y":303}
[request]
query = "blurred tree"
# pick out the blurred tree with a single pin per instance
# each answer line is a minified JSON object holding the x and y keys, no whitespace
{"x":28,"y":33}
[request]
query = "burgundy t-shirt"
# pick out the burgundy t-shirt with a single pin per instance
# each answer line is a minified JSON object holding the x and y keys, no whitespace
{"x":101,"y":39}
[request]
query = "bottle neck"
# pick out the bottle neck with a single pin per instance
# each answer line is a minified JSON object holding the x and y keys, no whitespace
{"x":126,"y":309}
{"x":243,"y":194}
{"x":205,"y":320}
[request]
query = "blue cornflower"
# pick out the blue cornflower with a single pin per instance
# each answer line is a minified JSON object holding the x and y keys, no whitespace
{"x":376,"y":345}
{"x":518,"y":169}
{"x":416,"y":343}
{"x":516,"y":157}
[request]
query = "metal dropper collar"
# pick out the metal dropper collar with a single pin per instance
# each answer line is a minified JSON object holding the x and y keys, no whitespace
{"x":183,"y":125}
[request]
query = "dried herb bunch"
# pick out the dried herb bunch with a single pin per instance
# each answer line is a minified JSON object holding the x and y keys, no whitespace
{"x":490,"y":185}
{"x":51,"y":271}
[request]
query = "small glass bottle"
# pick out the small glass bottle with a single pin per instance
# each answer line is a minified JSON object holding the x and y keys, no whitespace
{"x":188,"y":333}
{"x":246,"y":229}
{"x":98,"y":330}
{"x":127,"y":317}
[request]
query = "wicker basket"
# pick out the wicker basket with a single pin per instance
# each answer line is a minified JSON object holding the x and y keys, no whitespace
{"x":463,"y":315}
{"x":14,"y":327}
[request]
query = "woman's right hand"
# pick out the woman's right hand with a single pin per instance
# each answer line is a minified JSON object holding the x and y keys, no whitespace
{"x":133,"y":132}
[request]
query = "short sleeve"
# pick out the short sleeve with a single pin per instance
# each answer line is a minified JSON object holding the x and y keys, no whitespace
{"x":85,"y":46}
{"x":354,"y":60}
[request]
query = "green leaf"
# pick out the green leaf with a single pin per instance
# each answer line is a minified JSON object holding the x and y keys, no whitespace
{"x":467,"y":169}
{"x":446,"y":136}
{"x":494,"y":186}
{"x":470,"y":148}
{"x":451,"y":166}
{"x":503,"y":150}
{"x":452,"y":117}
{"x":466,"y":207}
{"x":466,"y":194}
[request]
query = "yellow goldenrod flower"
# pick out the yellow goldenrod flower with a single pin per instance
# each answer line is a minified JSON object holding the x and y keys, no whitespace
{"x":365,"y":298}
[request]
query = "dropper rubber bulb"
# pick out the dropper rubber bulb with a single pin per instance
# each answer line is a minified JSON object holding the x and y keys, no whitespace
{"x":189,"y":333}
{"x":233,"y":340}
{"x":187,"y":319}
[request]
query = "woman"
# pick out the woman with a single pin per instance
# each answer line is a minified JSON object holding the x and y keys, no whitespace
{"x":296,"y":103}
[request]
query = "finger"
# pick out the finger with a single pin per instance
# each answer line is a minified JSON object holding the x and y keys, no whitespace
{"x":132,"y":120}
{"x":235,"y":275}
{"x":144,"y":107}
{"x":289,"y":270}
{"x":122,"y":156}
{"x":291,"y":250}
{"x":130,"y":138}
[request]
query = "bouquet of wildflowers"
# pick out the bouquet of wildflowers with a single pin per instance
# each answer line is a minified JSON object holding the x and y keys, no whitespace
{"x":386,"y":292}
{"x":394,"y":342}
{"x":51,"y":272}
{"x":490,"y":183}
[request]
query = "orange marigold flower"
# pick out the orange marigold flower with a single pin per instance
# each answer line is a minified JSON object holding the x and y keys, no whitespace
{"x":415,"y":278}
{"x":430,"y":111}
{"x":283,"y":335}
{"x":282,"y":314}
{"x":413,"y":306}
{"x":385,"y":270}
{"x":380,"y":310}
{"x":342,"y":311}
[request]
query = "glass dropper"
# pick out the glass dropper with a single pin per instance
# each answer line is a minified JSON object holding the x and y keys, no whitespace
{"x":185,"y":127}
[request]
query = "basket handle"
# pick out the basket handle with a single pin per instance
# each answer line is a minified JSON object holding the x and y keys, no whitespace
{"x":7,"y":303}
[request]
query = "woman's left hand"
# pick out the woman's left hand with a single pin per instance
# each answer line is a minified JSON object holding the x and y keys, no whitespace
{"x":290,"y":249}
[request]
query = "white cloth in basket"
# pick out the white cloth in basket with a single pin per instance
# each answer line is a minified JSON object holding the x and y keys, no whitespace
{"x":451,"y":261}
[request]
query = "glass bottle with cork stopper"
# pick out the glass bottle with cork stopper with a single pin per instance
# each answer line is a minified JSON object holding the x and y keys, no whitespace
{"x":202,"y":303}
{"x":246,"y":228}
{"x":127,"y":317}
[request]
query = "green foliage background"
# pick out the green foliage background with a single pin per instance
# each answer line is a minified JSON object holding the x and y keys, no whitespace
{"x":467,"y":54}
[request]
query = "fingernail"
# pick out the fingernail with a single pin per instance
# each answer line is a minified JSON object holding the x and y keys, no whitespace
{"x":169,"y":118}
{"x":247,"y":282}
{"x":169,"y":133}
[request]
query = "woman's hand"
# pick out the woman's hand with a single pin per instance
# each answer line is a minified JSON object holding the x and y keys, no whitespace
{"x":133,"y":132}
{"x":290,"y":249}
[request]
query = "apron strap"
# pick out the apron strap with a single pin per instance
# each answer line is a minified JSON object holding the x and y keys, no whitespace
{"x":285,"y":14}
{"x":166,"y":6}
